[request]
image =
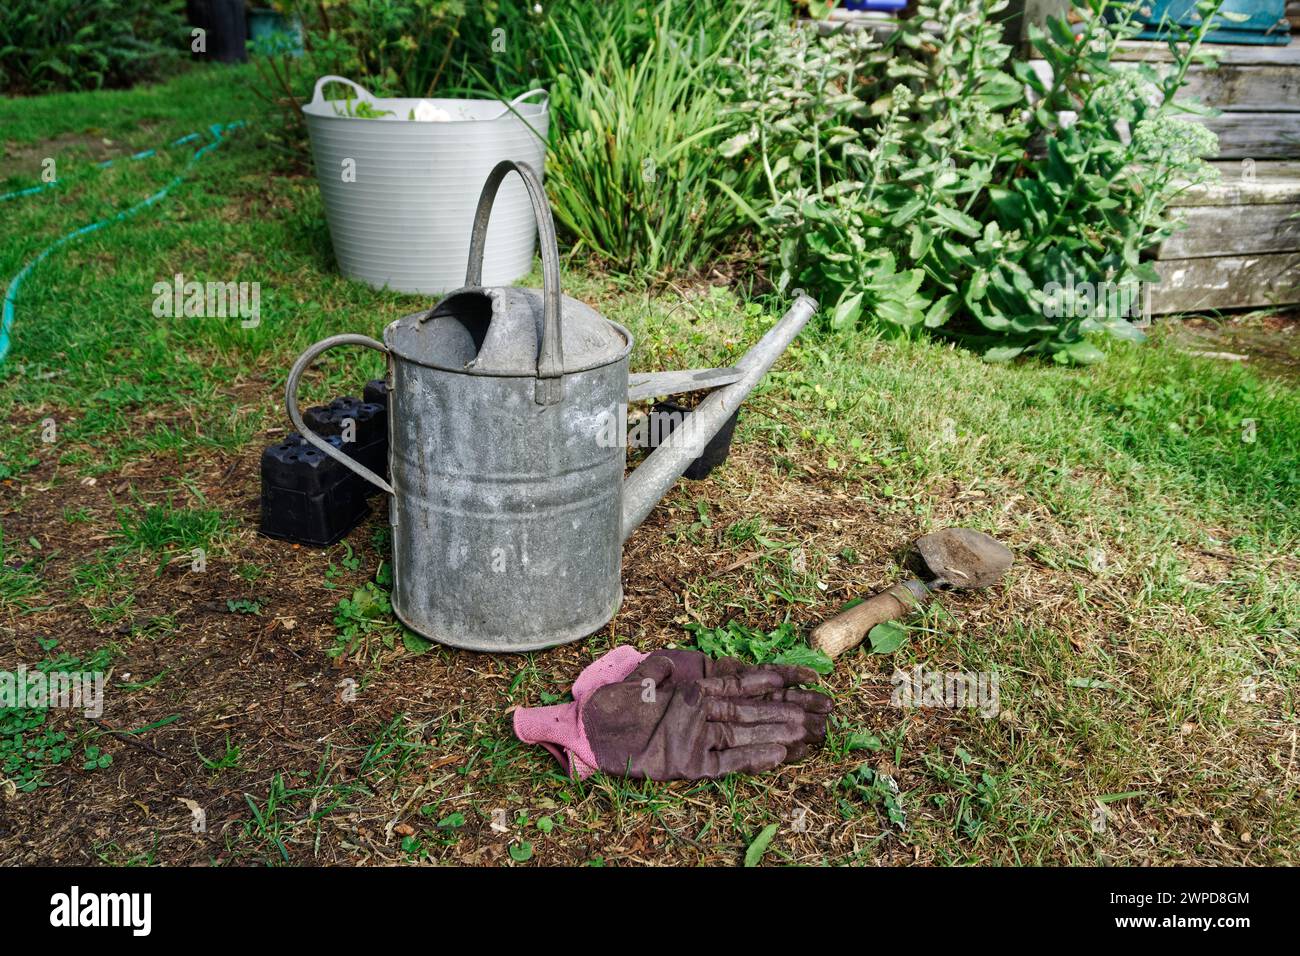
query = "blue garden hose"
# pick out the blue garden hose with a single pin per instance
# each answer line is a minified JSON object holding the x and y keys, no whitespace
{"x":145,"y":154}
{"x":217,"y":130}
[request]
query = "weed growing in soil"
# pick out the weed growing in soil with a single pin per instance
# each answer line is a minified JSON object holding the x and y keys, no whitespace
{"x":785,"y":645}
{"x":30,"y":745}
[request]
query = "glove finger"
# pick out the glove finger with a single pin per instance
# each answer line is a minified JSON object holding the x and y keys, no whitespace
{"x":814,"y":727}
{"x":790,"y":673}
{"x":796,"y":752}
{"x":749,"y":683}
{"x":730,"y":736}
{"x":754,"y":758}
{"x":657,"y":667}
{"x":749,"y":711}
{"x":810,"y":700}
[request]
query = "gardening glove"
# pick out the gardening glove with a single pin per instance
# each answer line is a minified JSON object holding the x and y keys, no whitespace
{"x":670,"y":668}
{"x":679,"y":715}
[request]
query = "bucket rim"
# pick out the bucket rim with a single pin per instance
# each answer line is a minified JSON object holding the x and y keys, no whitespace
{"x":324,"y":109}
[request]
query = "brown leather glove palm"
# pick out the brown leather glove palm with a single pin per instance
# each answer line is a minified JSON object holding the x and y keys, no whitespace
{"x":679,"y":715}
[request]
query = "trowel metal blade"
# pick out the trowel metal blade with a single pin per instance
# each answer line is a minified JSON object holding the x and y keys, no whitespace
{"x":963,"y":558}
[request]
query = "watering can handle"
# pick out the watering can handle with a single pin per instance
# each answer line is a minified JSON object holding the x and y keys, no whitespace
{"x":550,"y":358}
{"x":320,"y":85}
{"x":291,"y":404}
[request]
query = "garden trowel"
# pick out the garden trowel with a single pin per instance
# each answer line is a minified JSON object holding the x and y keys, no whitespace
{"x":952,"y":558}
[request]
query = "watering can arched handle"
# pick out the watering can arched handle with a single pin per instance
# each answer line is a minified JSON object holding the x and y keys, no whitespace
{"x":550,"y":358}
{"x":291,"y":403}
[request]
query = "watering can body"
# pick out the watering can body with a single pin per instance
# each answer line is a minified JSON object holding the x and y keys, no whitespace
{"x":506,"y":512}
{"x":507,"y":499}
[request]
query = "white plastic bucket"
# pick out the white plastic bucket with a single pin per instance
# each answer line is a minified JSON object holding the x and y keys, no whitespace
{"x":400,"y":194}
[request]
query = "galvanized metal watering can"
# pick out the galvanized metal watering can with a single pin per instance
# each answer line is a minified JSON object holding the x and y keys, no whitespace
{"x":508,"y":503}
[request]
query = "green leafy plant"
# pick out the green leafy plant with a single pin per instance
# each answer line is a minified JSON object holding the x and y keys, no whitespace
{"x":366,"y":614}
{"x":785,"y":645}
{"x":453,"y":821}
{"x":886,"y":637}
{"x":49,"y":45}
{"x":754,"y":854}
{"x":266,"y":822}
{"x":358,"y":108}
{"x":367,"y":626}
{"x":29,"y":745}
{"x":96,"y":759}
{"x":930,"y":182}
{"x":977,"y":796}
{"x":229,"y":759}
{"x":20,"y":579}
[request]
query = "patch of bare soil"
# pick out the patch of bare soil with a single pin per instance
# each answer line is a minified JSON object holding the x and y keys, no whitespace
{"x":27,"y":157}
{"x":336,"y":780}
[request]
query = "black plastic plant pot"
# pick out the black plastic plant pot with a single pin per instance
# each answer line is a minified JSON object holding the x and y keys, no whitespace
{"x":665,"y":416}
{"x":308,"y":497}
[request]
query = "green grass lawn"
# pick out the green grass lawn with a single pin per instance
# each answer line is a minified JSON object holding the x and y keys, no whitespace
{"x":1144,"y":641}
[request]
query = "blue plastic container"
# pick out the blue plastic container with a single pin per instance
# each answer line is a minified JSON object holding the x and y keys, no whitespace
{"x":1264,"y":20}
{"x":275,"y":31}
{"x":887,"y":5}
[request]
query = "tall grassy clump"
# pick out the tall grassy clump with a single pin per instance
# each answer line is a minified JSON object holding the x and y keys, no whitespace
{"x":638,"y":114}
{"x":52,"y":45}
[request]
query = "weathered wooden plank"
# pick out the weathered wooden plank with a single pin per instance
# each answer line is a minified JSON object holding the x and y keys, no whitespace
{"x":1255,"y":135}
{"x":1246,"y":89}
{"x":1235,"y":231}
{"x":1247,"y":183}
{"x":1240,"y":89}
{"x":1226,"y":282}
{"x":1293,"y":14}
{"x":1237,"y":54}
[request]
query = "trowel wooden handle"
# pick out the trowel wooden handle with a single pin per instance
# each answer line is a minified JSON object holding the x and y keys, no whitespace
{"x":846,"y":630}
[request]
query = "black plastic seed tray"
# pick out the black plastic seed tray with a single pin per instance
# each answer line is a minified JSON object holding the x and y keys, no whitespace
{"x":370,"y":419}
{"x":307,"y":497}
{"x":376,"y":392}
{"x":669,"y":415}
{"x":369,"y":443}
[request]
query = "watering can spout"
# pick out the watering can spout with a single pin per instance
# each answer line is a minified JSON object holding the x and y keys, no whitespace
{"x":652,"y":479}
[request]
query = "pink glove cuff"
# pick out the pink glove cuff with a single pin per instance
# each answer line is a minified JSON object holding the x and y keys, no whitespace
{"x":559,"y":727}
